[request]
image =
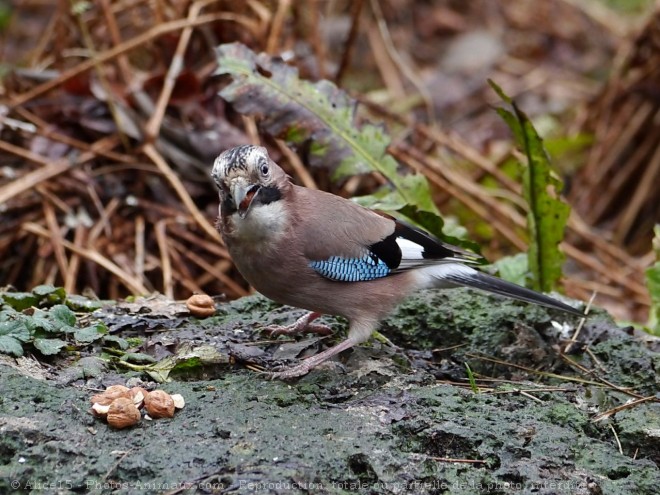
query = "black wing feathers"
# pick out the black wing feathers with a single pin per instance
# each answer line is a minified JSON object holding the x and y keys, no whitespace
{"x":430,"y":249}
{"x":433,"y":248}
{"x":388,"y":251}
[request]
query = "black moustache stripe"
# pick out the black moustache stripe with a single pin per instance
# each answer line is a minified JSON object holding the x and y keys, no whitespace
{"x":228,"y":206}
{"x":268,"y":195}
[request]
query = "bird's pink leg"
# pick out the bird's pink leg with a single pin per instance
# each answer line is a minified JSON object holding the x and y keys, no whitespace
{"x":302,"y":325}
{"x":312,"y":362}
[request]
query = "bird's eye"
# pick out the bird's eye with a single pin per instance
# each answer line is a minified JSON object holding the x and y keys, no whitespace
{"x":264,"y":169}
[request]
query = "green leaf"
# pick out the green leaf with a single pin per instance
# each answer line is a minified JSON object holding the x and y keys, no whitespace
{"x":41,"y":320}
{"x":320,"y":119}
{"x":653,"y":284}
{"x":186,"y":360}
{"x":392,"y":202}
{"x":62,"y":316}
{"x":15,"y":329}
{"x":317,"y":115}
{"x":433,"y":223}
{"x":138,"y":358}
{"x":10,"y":345}
{"x":12,"y":334}
{"x":471,"y":379}
{"x":513,"y":268}
{"x":565,"y":145}
{"x":20,"y":300}
{"x":58,"y":319}
{"x":114,"y":341}
{"x":48,"y":347}
{"x":383,"y":199}
{"x":82,"y":303}
{"x":547,"y":213}
{"x":89,"y":334}
{"x":49,"y":294}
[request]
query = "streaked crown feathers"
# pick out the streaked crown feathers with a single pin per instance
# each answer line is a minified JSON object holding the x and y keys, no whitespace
{"x":238,"y":159}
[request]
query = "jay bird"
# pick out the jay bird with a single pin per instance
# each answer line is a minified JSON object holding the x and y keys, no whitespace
{"x":318,"y":251}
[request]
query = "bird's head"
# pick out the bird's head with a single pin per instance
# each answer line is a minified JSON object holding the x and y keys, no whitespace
{"x":247,"y":179}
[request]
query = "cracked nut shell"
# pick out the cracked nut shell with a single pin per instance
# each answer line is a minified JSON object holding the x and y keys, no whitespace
{"x":159,"y":404}
{"x":201,"y":305}
{"x":111,"y":393}
{"x":138,"y":394}
{"x":123,"y":413}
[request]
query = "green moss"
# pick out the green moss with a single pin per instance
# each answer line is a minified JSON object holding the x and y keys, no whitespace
{"x":370,"y":425}
{"x":629,"y":364}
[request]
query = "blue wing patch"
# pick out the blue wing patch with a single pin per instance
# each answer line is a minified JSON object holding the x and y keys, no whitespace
{"x":369,"y":267}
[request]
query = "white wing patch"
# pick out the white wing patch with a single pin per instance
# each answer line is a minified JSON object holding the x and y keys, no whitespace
{"x":412,"y":255}
{"x":410,"y":250}
{"x":434,"y":275}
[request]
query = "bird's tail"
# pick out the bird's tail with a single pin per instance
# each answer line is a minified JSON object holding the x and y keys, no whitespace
{"x":478,"y":280}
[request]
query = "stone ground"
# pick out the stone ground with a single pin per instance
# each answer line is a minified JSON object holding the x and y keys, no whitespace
{"x":390,"y":419}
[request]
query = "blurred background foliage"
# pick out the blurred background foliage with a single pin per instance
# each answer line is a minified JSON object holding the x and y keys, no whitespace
{"x":110,"y":118}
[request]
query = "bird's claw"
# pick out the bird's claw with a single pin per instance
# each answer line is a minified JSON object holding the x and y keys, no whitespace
{"x":317,"y":328}
{"x":311,"y":362}
{"x":301,"y":325}
{"x":289,"y":373}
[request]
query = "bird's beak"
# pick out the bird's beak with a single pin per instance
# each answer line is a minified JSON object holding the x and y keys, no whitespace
{"x":243,"y":194}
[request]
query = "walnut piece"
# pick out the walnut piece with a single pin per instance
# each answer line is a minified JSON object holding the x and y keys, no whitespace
{"x":111,"y":393}
{"x":201,"y":305}
{"x":123,"y":413}
{"x":159,"y":404}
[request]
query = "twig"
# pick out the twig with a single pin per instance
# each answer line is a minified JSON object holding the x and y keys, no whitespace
{"x":411,"y":158}
{"x":103,"y":223}
{"x":101,"y":75}
{"x":223,"y":266}
{"x":180,"y":189}
{"x":212,"y":247}
{"x":47,"y":130}
{"x":386,"y":66}
{"x":165,"y":263}
{"x":116,"y":465}
{"x":251,"y":129}
{"x":124,"y":47}
{"x":283,"y":7}
{"x":534,"y":371}
{"x":405,"y":69}
{"x":529,"y":390}
{"x":642,"y":193}
{"x":595,"y":360}
{"x":315,"y":35}
{"x":186,"y":278}
{"x":129,"y":281}
{"x":49,"y":169}
{"x":623,"y":390}
{"x":356,"y":10}
{"x":460,"y":461}
{"x":529,"y":396}
{"x":204,"y":265}
{"x":616,"y":437}
{"x":56,"y":238}
{"x":115,"y":35}
{"x":302,"y":172}
{"x":153,"y":126}
{"x":71,"y":275}
{"x":139,"y":246}
{"x":568,"y":347}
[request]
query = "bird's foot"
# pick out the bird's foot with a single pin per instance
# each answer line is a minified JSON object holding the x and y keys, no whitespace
{"x":302,"y":325}
{"x":311,"y":362}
